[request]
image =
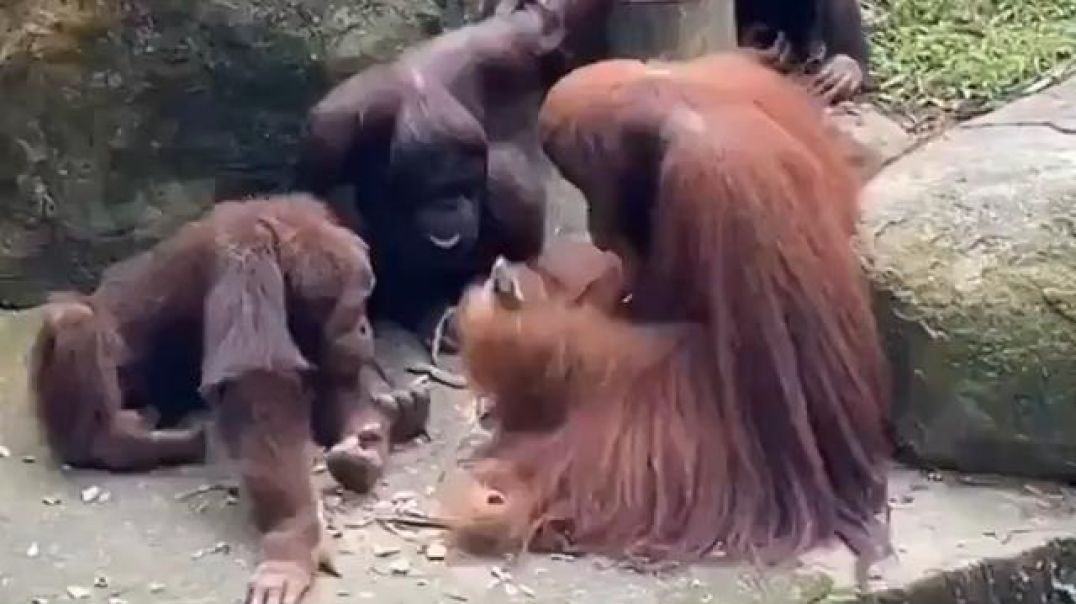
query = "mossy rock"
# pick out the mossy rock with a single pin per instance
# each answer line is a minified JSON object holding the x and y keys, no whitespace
{"x":122,"y":120}
{"x":971,"y":244}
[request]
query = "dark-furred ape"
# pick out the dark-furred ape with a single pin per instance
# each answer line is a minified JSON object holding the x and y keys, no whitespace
{"x":260,"y":307}
{"x":736,"y":402}
{"x":823,"y":37}
{"x":441,"y":148}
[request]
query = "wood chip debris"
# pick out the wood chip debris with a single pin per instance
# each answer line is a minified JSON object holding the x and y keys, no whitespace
{"x":202,"y":489}
{"x":77,"y":593}
{"x":436,"y":551}
{"x":219,"y":547}
{"x":384,"y":551}
{"x":90,"y":494}
{"x":400,"y":566}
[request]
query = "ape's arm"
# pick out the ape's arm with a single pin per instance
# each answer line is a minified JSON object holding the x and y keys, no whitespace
{"x":351,"y":128}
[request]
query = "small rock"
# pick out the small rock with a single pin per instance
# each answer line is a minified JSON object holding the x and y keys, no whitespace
{"x":4,"y":452}
{"x":384,"y":551}
{"x":39,"y":601}
{"x":116,"y":601}
{"x":77,"y":593}
{"x":33,"y":551}
{"x":104,"y":497}
{"x":51,"y":501}
{"x":29,"y":459}
{"x":400,"y":566}
{"x":219,"y":547}
{"x":156,"y":588}
{"x":100,"y":582}
{"x":90,"y":494}
{"x":231,"y":500}
{"x":422,"y":582}
{"x":436,"y":551}
{"x":452,"y":595}
{"x":343,"y":593}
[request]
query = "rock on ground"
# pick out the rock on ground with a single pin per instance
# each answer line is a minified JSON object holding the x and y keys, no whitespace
{"x":122,"y":120}
{"x":971,"y":242}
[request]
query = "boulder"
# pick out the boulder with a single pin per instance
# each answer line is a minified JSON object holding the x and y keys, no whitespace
{"x":122,"y":120}
{"x":971,"y":244}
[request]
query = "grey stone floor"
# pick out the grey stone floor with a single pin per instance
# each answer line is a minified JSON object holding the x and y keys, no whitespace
{"x":143,"y":542}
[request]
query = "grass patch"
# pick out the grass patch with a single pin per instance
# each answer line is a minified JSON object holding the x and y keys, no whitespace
{"x":964,"y":57}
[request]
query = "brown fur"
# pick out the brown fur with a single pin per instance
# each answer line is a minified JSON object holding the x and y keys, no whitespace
{"x":260,"y":307}
{"x":738,"y":406}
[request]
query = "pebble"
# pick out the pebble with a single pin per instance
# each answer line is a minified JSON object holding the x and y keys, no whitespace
{"x":77,"y":593}
{"x":400,"y":566}
{"x":90,"y":494}
{"x":116,"y":601}
{"x":384,"y":551}
{"x":156,"y":588}
{"x":51,"y":501}
{"x":29,"y":459}
{"x":33,"y":550}
{"x":100,"y":582}
{"x":4,"y":452}
{"x":436,"y":551}
{"x":39,"y":601}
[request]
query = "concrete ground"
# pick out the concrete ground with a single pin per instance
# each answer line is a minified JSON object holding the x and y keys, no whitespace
{"x":179,"y":536}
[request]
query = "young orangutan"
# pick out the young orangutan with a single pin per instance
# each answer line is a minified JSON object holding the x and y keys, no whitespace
{"x":736,"y":404}
{"x":260,"y":307}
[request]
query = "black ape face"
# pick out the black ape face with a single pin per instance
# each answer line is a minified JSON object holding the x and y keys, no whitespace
{"x":436,"y":182}
{"x":438,"y":188}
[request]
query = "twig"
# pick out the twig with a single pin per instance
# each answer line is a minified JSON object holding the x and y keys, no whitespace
{"x":439,"y":375}
{"x":202,"y":489}
{"x":439,"y":335}
{"x":414,"y":521}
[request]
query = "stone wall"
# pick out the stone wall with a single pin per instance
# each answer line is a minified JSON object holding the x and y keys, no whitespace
{"x":122,"y":119}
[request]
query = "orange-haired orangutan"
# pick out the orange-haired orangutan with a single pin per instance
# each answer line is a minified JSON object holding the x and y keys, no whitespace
{"x":736,"y":402}
{"x":260,"y":308}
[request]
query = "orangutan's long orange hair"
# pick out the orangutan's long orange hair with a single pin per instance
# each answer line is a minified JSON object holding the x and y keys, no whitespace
{"x":740,"y":404}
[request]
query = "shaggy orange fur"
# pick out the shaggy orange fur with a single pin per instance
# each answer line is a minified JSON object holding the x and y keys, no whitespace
{"x":737,"y":403}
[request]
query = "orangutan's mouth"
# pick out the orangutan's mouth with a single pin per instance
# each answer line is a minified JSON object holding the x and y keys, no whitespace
{"x":444,"y":243}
